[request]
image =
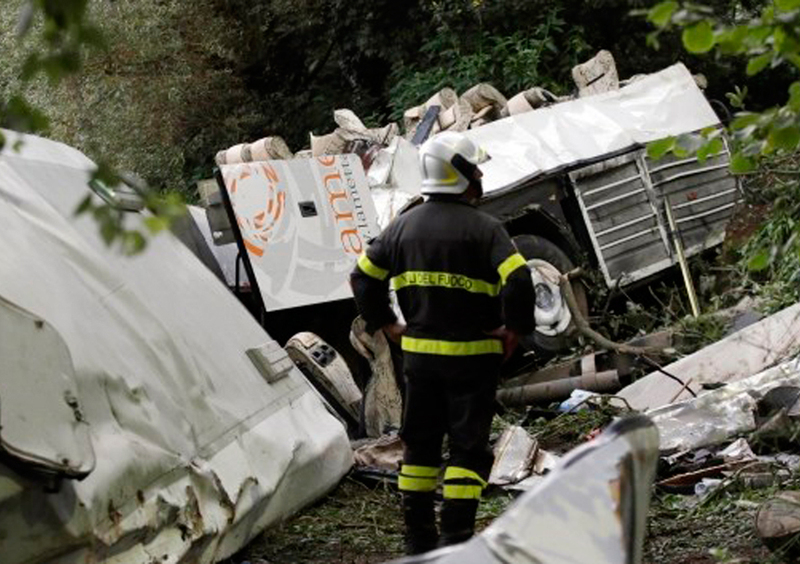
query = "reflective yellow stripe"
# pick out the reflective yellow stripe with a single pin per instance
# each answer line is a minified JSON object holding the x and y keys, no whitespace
{"x":369,"y":268}
{"x":462,"y":491}
{"x":451,"y":348}
{"x":419,"y":471}
{"x":459,"y":491}
{"x":417,"y":478}
{"x":457,"y":472}
{"x":510,"y":265}
{"x":410,"y":484}
{"x":444,"y":280}
{"x":452,"y":175}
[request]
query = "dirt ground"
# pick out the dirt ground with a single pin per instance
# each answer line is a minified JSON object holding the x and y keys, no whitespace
{"x":680,"y":532}
{"x":361,"y":524}
{"x":357,"y":523}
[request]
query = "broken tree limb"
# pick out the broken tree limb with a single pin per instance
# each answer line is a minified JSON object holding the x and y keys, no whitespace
{"x":583,"y":326}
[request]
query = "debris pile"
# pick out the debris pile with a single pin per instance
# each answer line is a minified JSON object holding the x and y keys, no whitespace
{"x":742,"y":437}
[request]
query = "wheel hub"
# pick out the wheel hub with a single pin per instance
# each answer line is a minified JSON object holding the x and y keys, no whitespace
{"x":544,"y":297}
{"x":552,"y":314}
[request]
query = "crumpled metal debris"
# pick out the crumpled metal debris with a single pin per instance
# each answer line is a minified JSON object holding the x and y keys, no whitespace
{"x":197,"y":446}
{"x":553,"y":523}
{"x":514,"y":453}
{"x":746,"y":352}
{"x":717,"y":415}
{"x":739,"y":450}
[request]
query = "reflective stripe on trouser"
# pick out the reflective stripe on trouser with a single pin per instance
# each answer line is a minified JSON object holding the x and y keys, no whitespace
{"x":414,"y":478}
{"x":462,"y":483}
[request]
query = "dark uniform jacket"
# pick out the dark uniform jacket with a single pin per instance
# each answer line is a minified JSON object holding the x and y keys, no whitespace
{"x":457,"y":275}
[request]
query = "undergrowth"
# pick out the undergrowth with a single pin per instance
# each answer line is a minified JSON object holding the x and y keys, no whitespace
{"x":770,"y":260}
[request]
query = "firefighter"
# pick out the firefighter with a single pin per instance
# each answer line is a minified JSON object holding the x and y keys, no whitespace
{"x":465,"y":294}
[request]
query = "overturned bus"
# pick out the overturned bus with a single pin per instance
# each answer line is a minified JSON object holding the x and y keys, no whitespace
{"x":571,"y":181}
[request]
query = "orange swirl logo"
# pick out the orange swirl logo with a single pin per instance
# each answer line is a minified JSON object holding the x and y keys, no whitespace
{"x":259,"y":204}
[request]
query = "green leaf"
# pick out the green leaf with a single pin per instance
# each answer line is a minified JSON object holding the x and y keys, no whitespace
{"x":698,"y":38}
{"x":794,"y":97}
{"x":793,"y":58}
{"x":106,"y":174}
{"x":31,"y":67}
{"x":658,"y":149}
{"x":731,"y":41}
{"x":133,"y":242}
{"x":711,"y":148}
{"x":25,"y":116}
{"x":759,"y":261}
{"x":652,"y":40}
{"x":758,"y":35}
{"x":741,"y":164}
{"x":787,"y":5}
{"x":84,"y":206}
{"x":757,"y":64}
{"x":91,"y":35}
{"x":109,"y":231}
{"x":660,"y":14}
{"x":785,"y":138}
{"x":156,"y":224}
{"x":744,"y":119}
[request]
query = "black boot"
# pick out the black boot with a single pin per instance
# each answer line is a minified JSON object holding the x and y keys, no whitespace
{"x":458,"y":520}
{"x":421,"y":533}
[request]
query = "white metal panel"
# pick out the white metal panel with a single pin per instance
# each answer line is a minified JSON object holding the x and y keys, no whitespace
{"x":196,"y":452}
{"x":523,"y":146}
{"x":304,"y":223}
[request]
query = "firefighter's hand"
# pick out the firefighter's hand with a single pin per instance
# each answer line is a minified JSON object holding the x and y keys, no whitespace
{"x":394,"y":331}
{"x":509,"y":337}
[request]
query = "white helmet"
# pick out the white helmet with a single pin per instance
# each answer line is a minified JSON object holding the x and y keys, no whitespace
{"x":449,"y":161}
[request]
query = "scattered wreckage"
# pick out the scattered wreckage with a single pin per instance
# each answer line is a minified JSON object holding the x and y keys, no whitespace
{"x":144,"y":414}
{"x":156,"y":362}
{"x":740,"y":432}
{"x":570,"y":178}
{"x":552,"y":523}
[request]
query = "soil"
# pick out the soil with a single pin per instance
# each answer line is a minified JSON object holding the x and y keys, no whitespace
{"x":722,"y":533}
{"x":362,"y":524}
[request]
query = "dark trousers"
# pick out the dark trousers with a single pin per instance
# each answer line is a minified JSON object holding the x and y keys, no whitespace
{"x":451,"y":397}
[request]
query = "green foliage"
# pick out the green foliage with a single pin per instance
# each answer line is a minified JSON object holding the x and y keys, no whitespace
{"x":766,"y":40}
{"x":770,"y":260}
{"x":467,"y":49}
{"x":53,"y":42}
{"x":698,"y":38}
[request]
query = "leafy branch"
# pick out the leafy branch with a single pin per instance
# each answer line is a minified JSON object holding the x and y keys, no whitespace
{"x":64,"y":37}
{"x":768,"y":39}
